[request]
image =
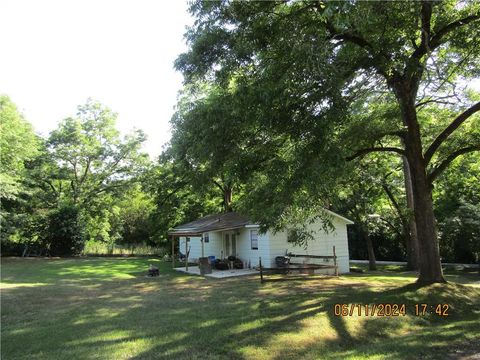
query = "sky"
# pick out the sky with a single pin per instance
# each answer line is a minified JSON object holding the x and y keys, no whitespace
{"x":56,"y":54}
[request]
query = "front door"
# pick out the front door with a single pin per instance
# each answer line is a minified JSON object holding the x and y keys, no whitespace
{"x":227,"y":245}
{"x":230,"y":244}
{"x":234,"y":245}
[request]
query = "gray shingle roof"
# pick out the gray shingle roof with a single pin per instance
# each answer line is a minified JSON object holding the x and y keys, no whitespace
{"x":224,"y":221}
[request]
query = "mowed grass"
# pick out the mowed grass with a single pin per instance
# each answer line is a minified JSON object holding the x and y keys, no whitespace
{"x":105,"y":308}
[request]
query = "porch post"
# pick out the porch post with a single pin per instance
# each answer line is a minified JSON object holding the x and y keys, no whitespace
{"x":261,"y":269}
{"x":203,"y":253}
{"x":186,"y":254}
{"x":173,"y":251}
{"x":335,"y":261}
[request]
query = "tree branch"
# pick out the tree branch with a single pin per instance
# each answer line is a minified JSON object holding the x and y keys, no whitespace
{"x":438,"y":100}
{"x":85,"y":173}
{"x":444,"y":164}
{"x":51,"y":186}
{"x":425,"y":30}
{"x":394,"y":201}
{"x":426,"y":17}
{"x":393,"y":227}
{"x":354,"y":37}
{"x":169,"y":195}
{"x":220,"y":186}
{"x":364,"y":152}
{"x":104,"y":189}
{"x":437,"y":38}
{"x":430,"y":43}
{"x":348,"y":36}
{"x":459,"y":120}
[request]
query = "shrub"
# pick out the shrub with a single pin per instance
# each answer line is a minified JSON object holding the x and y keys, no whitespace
{"x":64,"y":235}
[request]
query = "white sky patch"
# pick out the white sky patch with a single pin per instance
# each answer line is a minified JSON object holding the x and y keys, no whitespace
{"x":475,"y":84}
{"x":56,"y":54}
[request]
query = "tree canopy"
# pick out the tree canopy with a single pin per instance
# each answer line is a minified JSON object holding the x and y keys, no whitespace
{"x":309,"y":73}
{"x":18,"y":144}
{"x":90,"y":156}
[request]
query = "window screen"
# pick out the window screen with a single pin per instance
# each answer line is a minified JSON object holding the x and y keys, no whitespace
{"x":254,"y":239}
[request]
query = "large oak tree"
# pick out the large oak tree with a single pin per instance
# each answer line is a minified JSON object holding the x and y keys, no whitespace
{"x":303,"y":64}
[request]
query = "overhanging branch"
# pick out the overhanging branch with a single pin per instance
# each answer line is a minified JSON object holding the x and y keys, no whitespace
{"x":394,"y":202}
{"x":348,"y":36}
{"x":354,"y":37}
{"x":438,"y":100}
{"x":426,"y":17}
{"x":220,"y":186}
{"x":459,"y":120}
{"x":444,"y":164}
{"x":430,"y":43}
{"x":363,"y":152}
{"x":438,"y":37}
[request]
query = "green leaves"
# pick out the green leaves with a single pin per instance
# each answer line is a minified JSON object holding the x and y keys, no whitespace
{"x":90,"y":156}
{"x":18,"y":144}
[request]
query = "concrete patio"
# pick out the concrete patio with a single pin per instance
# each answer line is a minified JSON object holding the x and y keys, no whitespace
{"x":218,"y":274}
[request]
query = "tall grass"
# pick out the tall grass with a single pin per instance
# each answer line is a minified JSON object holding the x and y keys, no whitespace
{"x":95,"y":248}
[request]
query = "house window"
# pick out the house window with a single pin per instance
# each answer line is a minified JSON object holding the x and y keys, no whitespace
{"x":206,"y":238}
{"x":254,"y":239}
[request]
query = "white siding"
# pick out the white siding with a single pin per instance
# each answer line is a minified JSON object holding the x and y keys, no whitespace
{"x":216,"y":246}
{"x":213,"y":247}
{"x":244,"y":248}
{"x":194,"y":246}
{"x":272,"y":244}
{"x":322,"y":245}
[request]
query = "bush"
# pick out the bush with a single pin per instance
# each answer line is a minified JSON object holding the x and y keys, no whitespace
{"x":64,"y":236}
{"x":10,"y":248}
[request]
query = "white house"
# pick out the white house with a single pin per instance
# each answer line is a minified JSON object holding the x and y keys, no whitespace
{"x":223,"y":235}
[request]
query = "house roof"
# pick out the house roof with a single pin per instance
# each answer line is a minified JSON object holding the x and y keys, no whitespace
{"x":348,"y":221}
{"x":224,"y":221}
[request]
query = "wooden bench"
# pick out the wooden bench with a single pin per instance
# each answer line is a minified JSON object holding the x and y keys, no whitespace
{"x":300,"y":267}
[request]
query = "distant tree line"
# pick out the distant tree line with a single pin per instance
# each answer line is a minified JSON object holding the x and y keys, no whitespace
{"x":79,"y":184}
{"x":84,"y":184}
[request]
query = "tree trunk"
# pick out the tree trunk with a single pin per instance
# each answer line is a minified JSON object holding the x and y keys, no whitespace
{"x":430,"y":266}
{"x":227,"y":198}
{"x":372,"y":264}
{"x":411,"y":228}
{"x":478,"y":262}
{"x":429,"y":252}
{"x":227,"y":190}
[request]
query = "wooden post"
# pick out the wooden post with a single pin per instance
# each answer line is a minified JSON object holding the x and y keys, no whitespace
{"x":335,"y":261}
{"x":261,"y":269}
{"x":173,"y":251}
{"x":203,"y":252}
{"x":186,"y":254}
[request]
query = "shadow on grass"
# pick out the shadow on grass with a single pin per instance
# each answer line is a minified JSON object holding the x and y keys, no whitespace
{"x":50,"y":271}
{"x":188,"y":317}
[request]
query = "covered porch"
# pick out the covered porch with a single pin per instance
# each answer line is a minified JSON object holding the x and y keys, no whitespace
{"x":218,"y":237}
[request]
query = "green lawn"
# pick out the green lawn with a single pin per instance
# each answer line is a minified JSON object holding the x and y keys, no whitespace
{"x":105,"y":308}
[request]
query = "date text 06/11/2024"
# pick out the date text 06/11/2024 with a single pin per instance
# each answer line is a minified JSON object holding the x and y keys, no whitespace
{"x":441,"y":310}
